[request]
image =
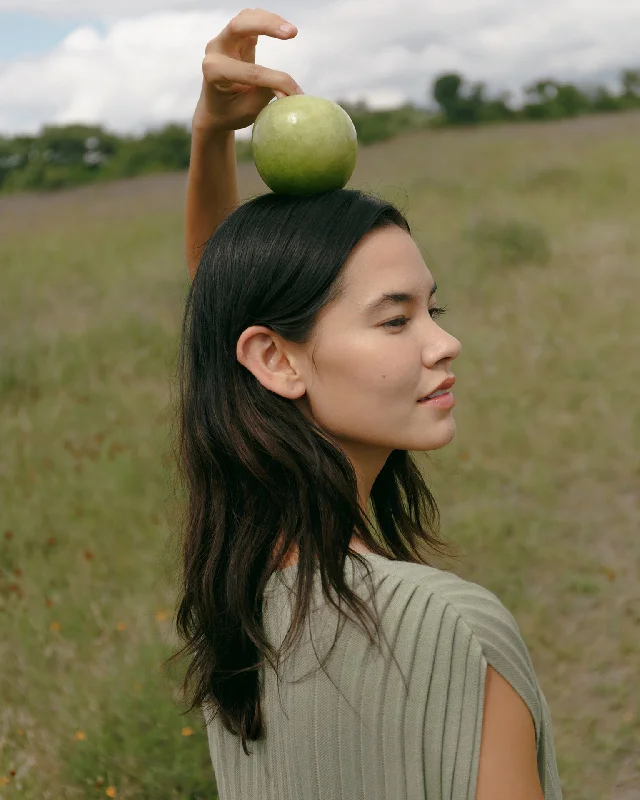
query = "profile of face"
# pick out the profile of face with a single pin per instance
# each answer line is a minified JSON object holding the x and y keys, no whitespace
{"x":373,"y":362}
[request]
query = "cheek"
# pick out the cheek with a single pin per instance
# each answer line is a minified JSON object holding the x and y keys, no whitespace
{"x":376,"y":373}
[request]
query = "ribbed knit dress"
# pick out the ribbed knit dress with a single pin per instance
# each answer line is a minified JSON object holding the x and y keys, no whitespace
{"x":356,"y":730}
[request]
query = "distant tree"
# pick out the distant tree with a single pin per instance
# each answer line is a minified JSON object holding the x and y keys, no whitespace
{"x":550,"y":99}
{"x":468,"y":105}
{"x":630,"y":80}
{"x":539,"y":99}
{"x":602,"y":100}
{"x":161,"y":150}
{"x":489,"y":109}
{"x":571,"y":100}
{"x":379,"y":125}
{"x":66,"y":155}
{"x":446,"y":89}
{"x":447,"y":92}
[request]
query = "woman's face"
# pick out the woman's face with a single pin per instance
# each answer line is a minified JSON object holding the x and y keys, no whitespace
{"x":369,"y":374}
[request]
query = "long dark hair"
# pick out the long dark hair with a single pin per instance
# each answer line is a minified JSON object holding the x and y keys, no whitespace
{"x":254,"y":466}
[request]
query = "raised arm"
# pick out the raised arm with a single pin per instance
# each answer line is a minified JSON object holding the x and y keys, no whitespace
{"x":212,"y":188}
{"x":234,"y":91}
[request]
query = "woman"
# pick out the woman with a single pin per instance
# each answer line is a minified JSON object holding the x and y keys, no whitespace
{"x":309,"y":346}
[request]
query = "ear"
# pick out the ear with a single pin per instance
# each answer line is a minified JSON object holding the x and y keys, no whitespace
{"x":263,"y":353}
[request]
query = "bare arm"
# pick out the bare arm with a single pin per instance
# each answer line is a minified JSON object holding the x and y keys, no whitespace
{"x":212,"y":188}
{"x":234,"y":91}
{"x":508,"y":768}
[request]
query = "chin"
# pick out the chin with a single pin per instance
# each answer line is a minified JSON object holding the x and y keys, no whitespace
{"x":436,"y":438}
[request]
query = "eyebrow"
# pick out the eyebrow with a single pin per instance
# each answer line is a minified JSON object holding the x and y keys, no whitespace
{"x":393,"y":298}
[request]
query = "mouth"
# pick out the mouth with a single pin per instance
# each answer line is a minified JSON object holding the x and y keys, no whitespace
{"x":442,"y":389}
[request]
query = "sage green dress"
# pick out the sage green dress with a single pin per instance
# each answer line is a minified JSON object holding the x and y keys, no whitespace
{"x":355,"y":731}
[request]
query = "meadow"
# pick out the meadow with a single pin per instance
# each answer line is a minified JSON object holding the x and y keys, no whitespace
{"x":533,"y":234}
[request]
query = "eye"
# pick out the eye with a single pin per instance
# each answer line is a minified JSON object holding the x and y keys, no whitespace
{"x":400,"y":322}
{"x":437,"y":311}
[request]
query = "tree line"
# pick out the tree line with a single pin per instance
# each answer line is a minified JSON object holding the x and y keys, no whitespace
{"x":62,"y":156}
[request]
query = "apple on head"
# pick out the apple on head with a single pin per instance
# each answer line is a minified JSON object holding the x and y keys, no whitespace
{"x":303,"y":144}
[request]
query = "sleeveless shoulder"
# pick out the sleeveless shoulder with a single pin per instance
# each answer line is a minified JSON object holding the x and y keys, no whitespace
{"x":497,"y":633}
{"x":370,"y":727}
{"x":474,"y":629}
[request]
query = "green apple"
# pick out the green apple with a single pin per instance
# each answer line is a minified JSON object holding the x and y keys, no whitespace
{"x":303,"y":144}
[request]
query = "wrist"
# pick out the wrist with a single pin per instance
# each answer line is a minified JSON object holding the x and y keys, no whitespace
{"x":208,"y":128}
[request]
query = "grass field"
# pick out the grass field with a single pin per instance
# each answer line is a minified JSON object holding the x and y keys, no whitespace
{"x":533,"y":235}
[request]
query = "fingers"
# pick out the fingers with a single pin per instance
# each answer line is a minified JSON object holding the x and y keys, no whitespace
{"x":218,"y":68}
{"x":258,"y":22}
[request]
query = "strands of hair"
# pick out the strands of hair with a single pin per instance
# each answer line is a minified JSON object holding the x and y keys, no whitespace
{"x":254,"y":466}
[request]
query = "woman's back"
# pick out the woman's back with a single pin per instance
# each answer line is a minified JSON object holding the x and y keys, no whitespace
{"x":351,"y":730}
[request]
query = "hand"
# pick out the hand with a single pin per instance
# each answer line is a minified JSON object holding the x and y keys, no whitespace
{"x":234,"y":88}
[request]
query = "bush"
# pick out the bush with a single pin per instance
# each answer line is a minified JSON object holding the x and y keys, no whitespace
{"x":378,"y":126}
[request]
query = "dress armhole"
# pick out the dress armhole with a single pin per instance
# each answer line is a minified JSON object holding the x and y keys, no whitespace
{"x":475,"y":631}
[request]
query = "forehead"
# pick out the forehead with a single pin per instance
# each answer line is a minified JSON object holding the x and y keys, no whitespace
{"x":385,"y":260}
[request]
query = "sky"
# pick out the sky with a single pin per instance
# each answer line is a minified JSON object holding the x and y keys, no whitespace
{"x":132,"y":65}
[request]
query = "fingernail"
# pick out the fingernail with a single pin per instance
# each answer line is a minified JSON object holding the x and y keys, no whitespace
{"x":287,"y":28}
{"x":299,"y":90}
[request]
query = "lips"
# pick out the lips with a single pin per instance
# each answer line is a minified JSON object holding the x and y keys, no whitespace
{"x":447,"y":383}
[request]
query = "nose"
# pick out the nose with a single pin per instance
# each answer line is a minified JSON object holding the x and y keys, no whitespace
{"x":441,"y":347}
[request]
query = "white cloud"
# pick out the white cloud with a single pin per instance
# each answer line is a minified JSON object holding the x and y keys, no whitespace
{"x":97,"y":9}
{"x":143,"y":69}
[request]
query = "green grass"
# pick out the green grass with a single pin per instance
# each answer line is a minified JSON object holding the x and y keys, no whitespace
{"x":532,"y":234}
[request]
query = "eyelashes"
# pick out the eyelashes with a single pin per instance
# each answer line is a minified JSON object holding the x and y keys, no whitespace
{"x":400,"y":322}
